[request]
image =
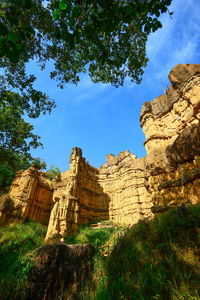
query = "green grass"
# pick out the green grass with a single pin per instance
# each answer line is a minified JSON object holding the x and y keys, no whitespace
{"x":16,"y":243}
{"x":97,"y":236}
{"x":156,"y":260}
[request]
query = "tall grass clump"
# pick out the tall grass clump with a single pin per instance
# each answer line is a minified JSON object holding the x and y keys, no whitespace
{"x":158,"y":259}
{"x":97,"y":237}
{"x":154,"y":260}
{"x":16,"y":243}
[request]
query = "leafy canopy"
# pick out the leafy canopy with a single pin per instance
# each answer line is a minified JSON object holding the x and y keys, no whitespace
{"x":16,"y":138}
{"x":16,"y":135}
{"x":106,"y":37}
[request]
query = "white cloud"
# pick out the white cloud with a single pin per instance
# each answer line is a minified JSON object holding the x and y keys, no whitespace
{"x":178,"y":40}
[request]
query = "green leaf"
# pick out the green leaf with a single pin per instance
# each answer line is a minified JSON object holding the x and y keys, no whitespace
{"x":13,"y":37}
{"x":129,"y":10}
{"x":3,"y":29}
{"x":63,"y":5}
{"x":157,"y":14}
{"x":13,"y":55}
{"x":76,"y":11}
{"x":27,"y":4}
{"x":56,"y":14}
{"x":168,"y":2}
{"x":11,"y":19}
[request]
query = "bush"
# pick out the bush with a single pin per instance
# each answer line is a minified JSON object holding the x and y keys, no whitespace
{"x":38,"y":163}
{"x":16,"y":244}
{"x":53,"y":173}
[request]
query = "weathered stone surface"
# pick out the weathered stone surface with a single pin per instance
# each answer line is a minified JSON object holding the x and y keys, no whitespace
{"x":181,"y":73}
{"x":124,"y":183}
{"x":78,"y":198}
{"x":185,"y":147}
{"x":164,"y":118}
{"x":31,"y":194}
{"x":59,"y":271}
{"x":172,"y":130}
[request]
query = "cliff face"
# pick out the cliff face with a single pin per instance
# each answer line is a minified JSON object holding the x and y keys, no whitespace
{"x":123,"y":180}
{"x":125,"y":188}
{"x":78,"y":198}
{"x":30,"y":196}
{"x":172,"y":129}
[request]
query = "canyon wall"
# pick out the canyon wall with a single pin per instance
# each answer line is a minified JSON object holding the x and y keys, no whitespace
{"x":78,"y":198}
{"x":30,"y":196}
{"x":123,"y":180}
{"x":125,"y":189}
{"x":172,"y":129}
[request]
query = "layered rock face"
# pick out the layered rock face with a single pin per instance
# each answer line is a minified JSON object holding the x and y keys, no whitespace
{"x":172,"y":129}
{"x":78,"y":198}
{"x":115,"y":191}
{"x":123,"y":180}
{"x":125,"y":188}
{"x":30,"y":197}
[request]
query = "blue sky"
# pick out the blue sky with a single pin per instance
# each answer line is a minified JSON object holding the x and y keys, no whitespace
{"x":102,"y":119}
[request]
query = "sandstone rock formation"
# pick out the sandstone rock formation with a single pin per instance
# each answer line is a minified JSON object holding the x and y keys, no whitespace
{"x":59,"y":271}
{"x":172,"y":129}
{"x":125,"y":188}
{"x":31,"y":195}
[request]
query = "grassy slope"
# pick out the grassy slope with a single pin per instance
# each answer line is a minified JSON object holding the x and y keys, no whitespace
{"x":156,"y":260}
{"x":159,"y":259}
{"x":16,"y":244}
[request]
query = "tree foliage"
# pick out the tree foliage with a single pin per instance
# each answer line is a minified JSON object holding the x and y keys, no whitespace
{"x":16,"y":138}
{"x":15,"y":134}
{"x":53,"y":173}
{"x":107,"y":37}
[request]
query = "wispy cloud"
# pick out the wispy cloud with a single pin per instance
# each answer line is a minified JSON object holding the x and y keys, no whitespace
{"x":178,"y":40}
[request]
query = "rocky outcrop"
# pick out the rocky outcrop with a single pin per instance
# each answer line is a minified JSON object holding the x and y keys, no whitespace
{"x":31,"y":195}
{"x":123,"y":180}
{"x":115,"y":191}
{"x":78,"y":199}
{"x":172,"y":129}
{"x":59,"y":271}
{"x":125,"y":188}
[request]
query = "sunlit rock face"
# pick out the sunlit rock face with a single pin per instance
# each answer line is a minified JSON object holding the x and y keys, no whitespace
{"x":86,"y":194}
{"x":123,"y":180}
{"x":164,"y":118}
{"x":78,"y":198}
{"x":125,"y":188}
{"x":172,"y":129}
{"x":30,"y":197}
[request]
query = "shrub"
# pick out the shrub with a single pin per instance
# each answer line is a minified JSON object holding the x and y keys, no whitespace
{"x":38,"y":163}
{"x":53,"y":173}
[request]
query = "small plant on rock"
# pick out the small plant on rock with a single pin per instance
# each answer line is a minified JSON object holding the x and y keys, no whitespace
{"x":53,"y":173}
{"x":38,"y":163}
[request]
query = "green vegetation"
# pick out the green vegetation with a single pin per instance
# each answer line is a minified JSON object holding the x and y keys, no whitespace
{"x":156,"y":260}
{"x":16,"y":243}
{"x":16,"y":138}
{"x":9,"y":166}
{"x":38,"y":163}
{"x":114,"y":31}
{"x":97,"y":237}
{"x":53,"y":173}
